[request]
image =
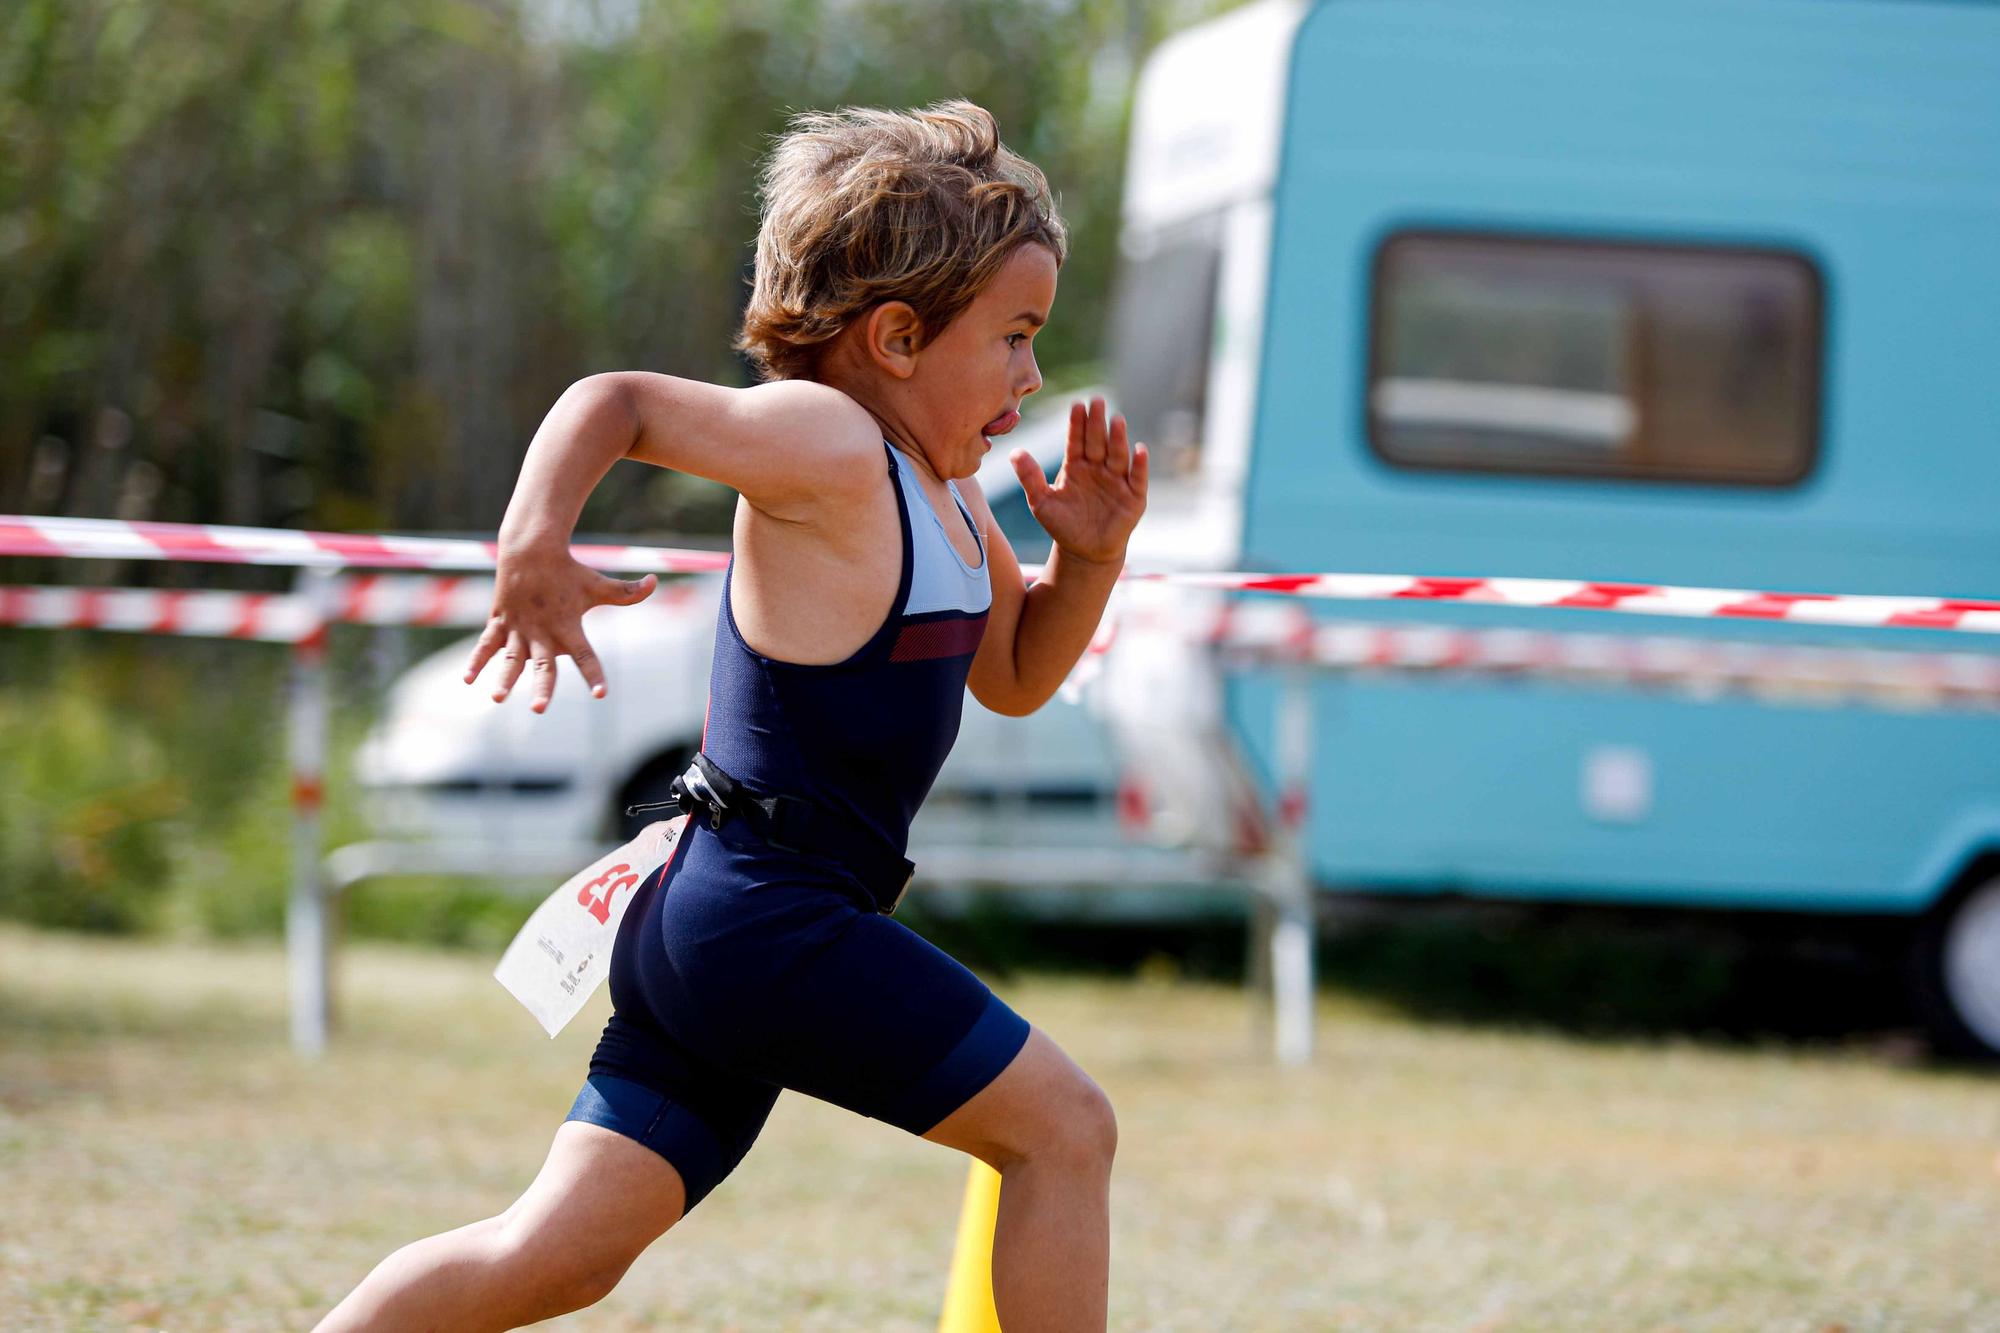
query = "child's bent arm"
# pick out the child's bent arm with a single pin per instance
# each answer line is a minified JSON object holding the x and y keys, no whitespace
{"x":783,"y":446}
{"x":1034,"y":637}
{"x":786,"y":447}
{"x":1038,"y":634}
{"x":589,"y":429}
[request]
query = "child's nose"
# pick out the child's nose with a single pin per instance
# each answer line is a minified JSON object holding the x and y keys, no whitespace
{"x":1033,"y":381}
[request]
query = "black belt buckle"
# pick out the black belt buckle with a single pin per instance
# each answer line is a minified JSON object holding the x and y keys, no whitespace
{"x":692,"y":791}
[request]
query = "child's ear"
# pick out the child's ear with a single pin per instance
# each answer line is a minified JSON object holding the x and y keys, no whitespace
{"x":894,"y":335}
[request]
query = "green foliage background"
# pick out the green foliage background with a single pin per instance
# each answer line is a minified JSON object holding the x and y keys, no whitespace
{"x":326,"y":263}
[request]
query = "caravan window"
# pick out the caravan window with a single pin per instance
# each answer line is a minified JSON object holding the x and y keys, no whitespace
{"x":1162,"y":330}
{"x":1594,"y":359}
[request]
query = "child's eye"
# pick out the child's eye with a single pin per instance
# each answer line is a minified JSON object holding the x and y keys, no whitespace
{"x":1016,"y":339}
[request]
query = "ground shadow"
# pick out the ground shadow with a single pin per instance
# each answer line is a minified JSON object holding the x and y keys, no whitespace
{"x":1594,"y":973}
{"x":1619,"y":974}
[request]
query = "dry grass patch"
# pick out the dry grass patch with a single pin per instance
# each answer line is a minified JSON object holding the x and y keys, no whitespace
{"x":169,"y":1164}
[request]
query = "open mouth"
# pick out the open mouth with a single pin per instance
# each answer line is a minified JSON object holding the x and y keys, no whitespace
{"x":1001,"y":424}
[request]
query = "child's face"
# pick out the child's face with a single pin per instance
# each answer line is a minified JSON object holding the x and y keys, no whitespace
{"x":969,"y":381}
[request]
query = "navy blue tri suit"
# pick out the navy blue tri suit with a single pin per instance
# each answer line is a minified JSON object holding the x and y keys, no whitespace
{"x":741,"y":969}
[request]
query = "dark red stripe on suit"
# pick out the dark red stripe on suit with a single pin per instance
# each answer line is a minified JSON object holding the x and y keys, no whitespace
{"x":938,"y":638}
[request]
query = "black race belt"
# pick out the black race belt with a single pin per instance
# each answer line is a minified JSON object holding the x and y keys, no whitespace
{"x":790,"y":824}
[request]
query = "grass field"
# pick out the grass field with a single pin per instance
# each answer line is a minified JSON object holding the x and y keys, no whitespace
{"x":166,"y":1163}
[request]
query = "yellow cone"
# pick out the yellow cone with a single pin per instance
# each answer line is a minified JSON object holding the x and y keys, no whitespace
{"x":968,"y":1298}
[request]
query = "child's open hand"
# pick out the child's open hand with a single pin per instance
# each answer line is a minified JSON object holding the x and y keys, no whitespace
{"x":1100,"y":493}
{"x":539,"y":597}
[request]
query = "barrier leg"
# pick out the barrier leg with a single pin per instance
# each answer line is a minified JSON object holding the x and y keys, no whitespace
{"x":308,"y":941}
{"x":968,"y":1295}
{"x":1292,"y":980}
{"x":1290,"y":877}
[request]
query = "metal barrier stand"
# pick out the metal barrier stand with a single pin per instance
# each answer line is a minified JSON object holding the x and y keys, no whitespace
{"x":308,"y":937}
{"x":1286,"y":876}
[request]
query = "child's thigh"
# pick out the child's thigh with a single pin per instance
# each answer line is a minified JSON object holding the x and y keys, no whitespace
{"x":1041,"y":1103}
{"x":885,"y":1023}
{"x":599,"y":1200}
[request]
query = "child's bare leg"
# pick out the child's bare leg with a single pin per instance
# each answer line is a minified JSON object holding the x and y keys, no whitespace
{"x":599,"y":1200}
{"x":1050,"y":1132}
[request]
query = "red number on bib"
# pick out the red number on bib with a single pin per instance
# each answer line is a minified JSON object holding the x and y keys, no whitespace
{"x":618,"y":877}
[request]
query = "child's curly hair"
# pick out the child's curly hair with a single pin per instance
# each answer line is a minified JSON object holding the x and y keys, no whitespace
{"x":862,"y":206}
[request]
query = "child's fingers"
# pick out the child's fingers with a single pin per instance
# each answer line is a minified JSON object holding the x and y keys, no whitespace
{"x":1117,"y":454}
{"x":586,"y":661}
{"x":1033,"y":484}
{"x":1079,"y":418}
{"x":489,"y":643}
{"x":513,"y":658}
{"x":544,"y":664}
{"x":622,"y":592}
{"x":1093,"y":433}
{"x":1142,"y":458}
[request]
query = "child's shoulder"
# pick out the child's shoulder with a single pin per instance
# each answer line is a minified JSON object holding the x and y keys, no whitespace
{"x":807,"y":407}
{"x":818,"y":442}
{"x":780,"y":445}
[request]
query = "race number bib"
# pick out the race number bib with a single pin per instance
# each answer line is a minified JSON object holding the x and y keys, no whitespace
{"x":564,"y":950}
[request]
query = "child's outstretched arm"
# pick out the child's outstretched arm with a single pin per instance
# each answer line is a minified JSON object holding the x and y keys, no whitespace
{"x":1034,"y":636}
{"x":784,"y":446}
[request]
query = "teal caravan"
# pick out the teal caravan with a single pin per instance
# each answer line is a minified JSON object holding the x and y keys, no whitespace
{"x":1675,"y":292}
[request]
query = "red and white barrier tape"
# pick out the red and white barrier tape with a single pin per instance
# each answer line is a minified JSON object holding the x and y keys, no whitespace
{"x":268,"y":617}
{"x":107,"y":538}
{"x":1643,"y":599}
{"x":112,"y":539}
{"x":1262,"y":631}
{"x":451,"y":600}
{"x":1286,"y":634}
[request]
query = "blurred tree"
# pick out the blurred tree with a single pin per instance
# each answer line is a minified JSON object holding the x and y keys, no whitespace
{"x":327,"y":263}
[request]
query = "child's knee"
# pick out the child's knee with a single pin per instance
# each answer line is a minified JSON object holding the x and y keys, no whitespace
{"x":1071,"y":1123}
{"x":1084,"y":1126}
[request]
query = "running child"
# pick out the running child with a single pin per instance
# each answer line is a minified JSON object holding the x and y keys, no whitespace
{"x":905,"y":262}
